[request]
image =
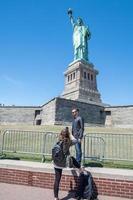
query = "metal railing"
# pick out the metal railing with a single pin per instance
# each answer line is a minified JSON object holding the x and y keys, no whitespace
{"x":25,"y":142}
{"x":93,"y":148}
{"x":117,"y":146}
{"x":28,"y":142}
{"x":102,"y":146}
{"x":1,"y":137}
{"x":50,"y":139}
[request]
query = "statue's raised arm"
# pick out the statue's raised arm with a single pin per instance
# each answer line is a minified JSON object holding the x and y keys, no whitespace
{"x":71,"y":17}
{"x":81,"y":35}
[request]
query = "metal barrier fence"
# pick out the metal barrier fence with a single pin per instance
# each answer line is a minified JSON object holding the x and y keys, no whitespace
{"x":49,"y":140}
{"x":28,"y":142}
{"x":100,"y":146}
{"x":0,"y":142}
{"x":117,"y":146}
{"x":25,"y":142}
{"x":93,"y":148}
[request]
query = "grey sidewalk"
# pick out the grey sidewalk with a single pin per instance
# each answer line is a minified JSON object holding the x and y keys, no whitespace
{"x":20,"y":192}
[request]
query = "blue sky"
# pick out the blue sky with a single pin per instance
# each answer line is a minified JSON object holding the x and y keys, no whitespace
{"x":36,"y":48}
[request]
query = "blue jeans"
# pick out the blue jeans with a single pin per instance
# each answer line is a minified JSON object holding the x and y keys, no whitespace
{"x":78,"y":152}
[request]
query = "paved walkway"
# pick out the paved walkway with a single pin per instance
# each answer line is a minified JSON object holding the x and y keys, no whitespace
{"x":20,"y":192}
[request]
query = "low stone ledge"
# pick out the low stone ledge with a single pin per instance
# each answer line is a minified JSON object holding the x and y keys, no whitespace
{"x":111,"y":182}
{"x":111,"y":173}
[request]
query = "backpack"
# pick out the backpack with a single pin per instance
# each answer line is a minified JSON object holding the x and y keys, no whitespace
{"x":87,"y":185}
{"x":58,"y":155}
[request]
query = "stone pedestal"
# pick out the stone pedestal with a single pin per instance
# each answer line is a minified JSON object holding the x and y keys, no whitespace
{"x":81,"y":83}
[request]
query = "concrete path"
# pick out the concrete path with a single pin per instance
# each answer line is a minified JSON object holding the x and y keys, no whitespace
{"x":20,"y":192}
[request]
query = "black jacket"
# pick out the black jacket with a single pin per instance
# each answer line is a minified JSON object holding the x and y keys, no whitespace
{"x":78,"y":127}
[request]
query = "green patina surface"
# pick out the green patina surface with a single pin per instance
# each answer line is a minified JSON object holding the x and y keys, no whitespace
{"x":81,"y":35}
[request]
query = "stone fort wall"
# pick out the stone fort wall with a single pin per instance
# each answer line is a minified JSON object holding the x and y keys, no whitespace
{"x":119,"y":116}
{"x":17,"y":115}
{"x":58,"y":111}
{"x":92,"y":113}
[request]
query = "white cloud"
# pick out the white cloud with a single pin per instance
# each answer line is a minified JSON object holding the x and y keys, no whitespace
{"x":11,"y":80}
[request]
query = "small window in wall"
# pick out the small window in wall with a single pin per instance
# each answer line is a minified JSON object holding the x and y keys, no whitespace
{"x":85,"y":75}
{"x":74,"y":75}
{"x":91,"y":77}
{"x":37,"y":112}
{"x":108,"y":112}
{"x":71,"y":77}
{"x":88,"y":76}
{"x":68,"y":78}
{"x":38,"y":122}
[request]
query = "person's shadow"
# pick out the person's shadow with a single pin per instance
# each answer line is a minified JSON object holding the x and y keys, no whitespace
{"x":69,"y":196}
{"x":75,"y":187}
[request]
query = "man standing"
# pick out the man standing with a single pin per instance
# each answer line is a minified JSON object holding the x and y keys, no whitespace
{"x":77,"y":132}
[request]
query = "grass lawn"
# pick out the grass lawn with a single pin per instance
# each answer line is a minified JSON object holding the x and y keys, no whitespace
{"x":88,"y":163}
{"x":57,"y":128}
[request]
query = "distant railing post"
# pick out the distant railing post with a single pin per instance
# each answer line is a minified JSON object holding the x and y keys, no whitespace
{"x":43,"y":148}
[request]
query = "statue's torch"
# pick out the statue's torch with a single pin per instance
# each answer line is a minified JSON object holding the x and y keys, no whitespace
{"x":69,"y":12}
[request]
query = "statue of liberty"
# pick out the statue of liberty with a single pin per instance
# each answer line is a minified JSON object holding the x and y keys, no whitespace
{"x":81,"y":35}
